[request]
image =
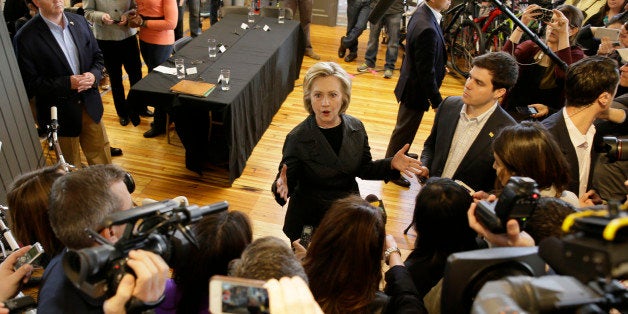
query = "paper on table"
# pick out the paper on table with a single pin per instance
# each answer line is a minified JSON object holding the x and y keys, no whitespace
{"x":166,"y":70}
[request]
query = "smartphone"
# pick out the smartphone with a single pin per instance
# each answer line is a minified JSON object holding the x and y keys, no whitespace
{"x":306,"y":235}
{"x":31,"y":256}
{"x":466,"y":187}
{"x":237,"y":295}
{"x":527,"y":110}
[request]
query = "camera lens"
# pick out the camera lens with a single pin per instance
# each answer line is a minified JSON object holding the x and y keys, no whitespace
{"x":614,"y":148}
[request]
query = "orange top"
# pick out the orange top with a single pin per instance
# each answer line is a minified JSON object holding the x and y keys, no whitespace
{"x":159,"y":31}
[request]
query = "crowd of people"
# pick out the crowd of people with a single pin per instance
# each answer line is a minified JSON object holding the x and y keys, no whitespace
{"x":473,"y":149}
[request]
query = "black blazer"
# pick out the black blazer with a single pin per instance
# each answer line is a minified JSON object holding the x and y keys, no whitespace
{"x":46,"y":72}
{"x":555,"y":124}
{"x":317,"y":176}
{"x":476,"y":168}
{"x":423,"y":68}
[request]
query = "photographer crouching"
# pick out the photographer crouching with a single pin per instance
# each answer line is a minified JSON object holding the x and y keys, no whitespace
{"x":81,"y":200}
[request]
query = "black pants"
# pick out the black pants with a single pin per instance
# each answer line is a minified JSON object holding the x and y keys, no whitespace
{"x":118,"y":53}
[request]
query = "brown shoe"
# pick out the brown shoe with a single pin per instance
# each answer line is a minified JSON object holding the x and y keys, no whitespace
{"x":104,"y":82}
{"x":310,"y":53}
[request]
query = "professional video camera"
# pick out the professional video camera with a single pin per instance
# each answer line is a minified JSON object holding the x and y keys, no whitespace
{"x":613,"y":147}
{"x":517,"y":201}
{"x":159,"y":227}
{"x":595,"y":253}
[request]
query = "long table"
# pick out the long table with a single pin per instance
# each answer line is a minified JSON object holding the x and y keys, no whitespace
{"x":264,"y":66}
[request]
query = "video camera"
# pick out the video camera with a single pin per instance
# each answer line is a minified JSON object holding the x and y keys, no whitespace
{"x":517,"y":201}
{"x":159,"y":227}
{"x":590,"y":259}
{"x":613,"y":147}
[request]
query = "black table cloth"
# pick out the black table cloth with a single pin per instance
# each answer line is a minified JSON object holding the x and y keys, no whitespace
{"x":264,"y":66}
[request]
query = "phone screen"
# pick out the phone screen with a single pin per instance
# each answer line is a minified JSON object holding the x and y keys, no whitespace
{"x":237,"y":295}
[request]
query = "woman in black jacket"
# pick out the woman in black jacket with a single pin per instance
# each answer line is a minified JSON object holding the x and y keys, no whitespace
{"x":324,"y":154}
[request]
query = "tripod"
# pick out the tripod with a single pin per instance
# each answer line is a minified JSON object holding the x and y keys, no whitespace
{"x":53,"y":141}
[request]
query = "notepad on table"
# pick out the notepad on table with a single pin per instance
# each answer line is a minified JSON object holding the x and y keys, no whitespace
{"x":194,"y":88}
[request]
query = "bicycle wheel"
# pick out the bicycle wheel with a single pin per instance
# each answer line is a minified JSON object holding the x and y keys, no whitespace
{"x":467,"y":43}
{"x":496,"y":38}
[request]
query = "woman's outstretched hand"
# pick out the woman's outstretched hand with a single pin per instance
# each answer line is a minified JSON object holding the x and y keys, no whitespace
{"x":408,"y":165}
{"x":282,"y":183}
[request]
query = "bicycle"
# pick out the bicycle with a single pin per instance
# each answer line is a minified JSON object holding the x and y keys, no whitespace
{"x":463,"y":37}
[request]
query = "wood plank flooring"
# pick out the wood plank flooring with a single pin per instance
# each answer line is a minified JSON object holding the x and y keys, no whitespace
{"x":160,"y":173}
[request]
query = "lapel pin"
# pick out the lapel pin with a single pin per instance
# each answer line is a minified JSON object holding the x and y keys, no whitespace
{"x":71,"y":23}
{"x":491,"y":134}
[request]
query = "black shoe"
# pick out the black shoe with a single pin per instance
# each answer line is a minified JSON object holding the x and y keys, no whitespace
{"x":401,"y":182}
{"x":412,"y":155}
{"x":116,"y":151}
{"x":153,"y":132}
{"x":342,"y":49}
{"x":135,"y":119}
{"x":124,"y":121}
{"x":146,"y":113}
{"x":351,"y":56}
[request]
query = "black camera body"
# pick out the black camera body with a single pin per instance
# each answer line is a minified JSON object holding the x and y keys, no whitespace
{"x":159,"y":227}
{"x":517,"y":201}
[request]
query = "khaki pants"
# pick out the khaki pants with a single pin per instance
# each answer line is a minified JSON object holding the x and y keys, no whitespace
{"x":93,"y":140}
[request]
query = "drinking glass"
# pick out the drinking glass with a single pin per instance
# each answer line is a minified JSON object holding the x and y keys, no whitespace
{"x":225,"y":75}
{"x":212,"y":48}
{"x":179,"y":64}
{"x":282,"y":16}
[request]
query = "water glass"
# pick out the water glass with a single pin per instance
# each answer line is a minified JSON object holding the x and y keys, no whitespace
{"x":179,"y":64}
{"x":251,"y":16}
{"x":212,"y":48}
{"x":282,"y":16}
{"x":225,"y":75}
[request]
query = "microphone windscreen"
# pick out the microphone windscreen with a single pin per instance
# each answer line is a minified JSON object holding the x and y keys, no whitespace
{"x":53,"y":113}
{"x":371,"y":198}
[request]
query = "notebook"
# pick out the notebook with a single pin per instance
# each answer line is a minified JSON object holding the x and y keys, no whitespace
{"x":193,"y":88}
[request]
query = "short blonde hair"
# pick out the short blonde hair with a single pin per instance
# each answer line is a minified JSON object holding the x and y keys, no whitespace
{"x":325,"y":69}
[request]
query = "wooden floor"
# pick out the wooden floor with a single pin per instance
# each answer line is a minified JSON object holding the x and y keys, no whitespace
{"x":159,"y":171}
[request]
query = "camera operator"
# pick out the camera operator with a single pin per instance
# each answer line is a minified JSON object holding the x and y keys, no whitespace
{"x":11,"y":280}
{"x":81,"y":200}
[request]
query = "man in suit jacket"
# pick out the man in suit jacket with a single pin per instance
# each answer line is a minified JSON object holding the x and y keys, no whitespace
{"x":590,"y":86}
{"x":61,"y":66}
{"x":422,"y":72}
{"x":459,"y":145}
